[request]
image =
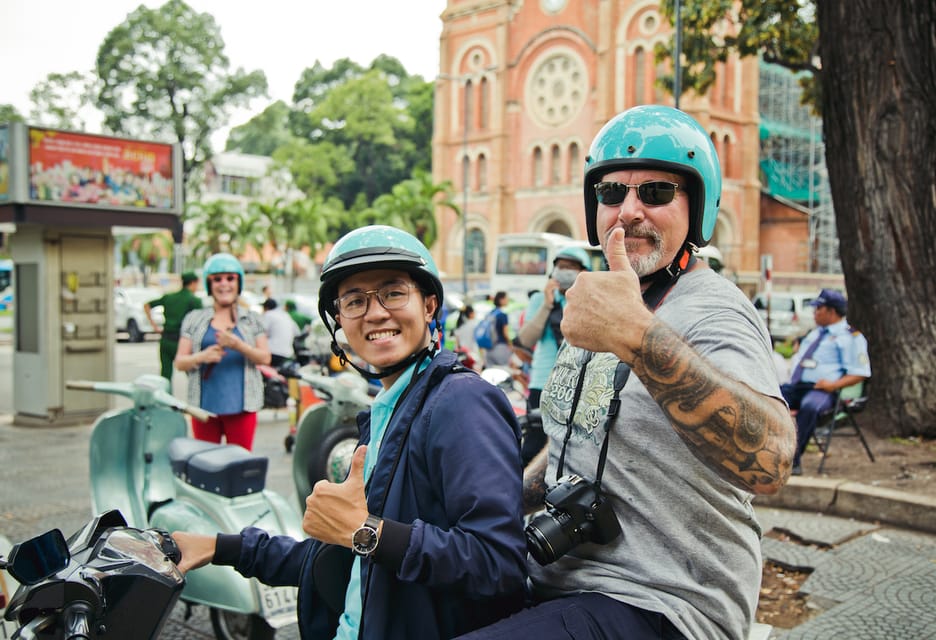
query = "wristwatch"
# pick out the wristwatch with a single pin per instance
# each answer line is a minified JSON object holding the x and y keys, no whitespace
{"x":364,"y":540}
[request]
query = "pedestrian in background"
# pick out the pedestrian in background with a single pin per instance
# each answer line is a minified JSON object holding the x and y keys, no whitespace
{"x":499,"y":354}
{"x":220,"y":348}
{"x":541,"y":332}
{"x":302,"y":320}
{"x":281,"y":330}
{"x":175,"y":306}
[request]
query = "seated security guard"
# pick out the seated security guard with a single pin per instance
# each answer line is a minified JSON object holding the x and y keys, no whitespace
{"x":831,"y":357}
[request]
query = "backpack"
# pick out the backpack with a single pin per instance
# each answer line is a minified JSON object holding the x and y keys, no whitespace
{"x":485,"y":332}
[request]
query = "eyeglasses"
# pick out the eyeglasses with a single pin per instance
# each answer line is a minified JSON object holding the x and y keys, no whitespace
{"x":391,"y":296}
{"x":654,"y":194}
{"x":223,"y":277}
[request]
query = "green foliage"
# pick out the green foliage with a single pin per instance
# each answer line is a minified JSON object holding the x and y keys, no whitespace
{"x":263,"y":134}
{"x":211,"y":227}
{"x":59,"y":100}
{"x":8,"y":113}
{"x":379,"y":118}
{"x":784,"y":32}
{"x":164,"y":75}
{"x":410,"y":206}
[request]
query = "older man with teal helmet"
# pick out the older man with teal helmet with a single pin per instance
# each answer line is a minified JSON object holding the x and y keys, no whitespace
{"x":663,"y":412}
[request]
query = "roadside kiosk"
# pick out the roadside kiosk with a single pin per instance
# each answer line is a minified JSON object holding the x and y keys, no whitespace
{"x":64,"y":191}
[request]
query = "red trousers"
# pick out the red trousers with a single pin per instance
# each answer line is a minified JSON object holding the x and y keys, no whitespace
{"x":237,"y":428}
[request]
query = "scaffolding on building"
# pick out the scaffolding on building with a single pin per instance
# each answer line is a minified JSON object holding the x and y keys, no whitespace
{"x":792,"y":161}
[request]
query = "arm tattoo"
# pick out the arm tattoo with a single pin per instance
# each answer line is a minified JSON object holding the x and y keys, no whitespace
{"x":742,"y":435}
{"x":534,"y":482}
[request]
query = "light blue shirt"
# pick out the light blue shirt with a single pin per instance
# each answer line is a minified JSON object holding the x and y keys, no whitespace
{"x":544,"y":356}
{"x":843,"y":351}
{"x":381,"y":410}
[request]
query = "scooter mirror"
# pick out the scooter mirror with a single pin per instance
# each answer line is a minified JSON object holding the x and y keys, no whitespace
{"x":35,"y":560}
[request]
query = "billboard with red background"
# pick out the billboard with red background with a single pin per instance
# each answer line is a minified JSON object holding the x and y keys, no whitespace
{"x":89,"y":170}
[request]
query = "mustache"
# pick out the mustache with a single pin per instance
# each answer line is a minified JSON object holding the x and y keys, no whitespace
{"x":643,"y":231}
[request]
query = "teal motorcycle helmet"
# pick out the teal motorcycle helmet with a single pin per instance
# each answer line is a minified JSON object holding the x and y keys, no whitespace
{"x":223,"y":263}
{"x":575,"y":254}
{"x":663,"y":138}
{"x":369,"y":248}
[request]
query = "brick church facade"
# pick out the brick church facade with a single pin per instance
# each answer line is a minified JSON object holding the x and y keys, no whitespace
{"x":523,"y":87}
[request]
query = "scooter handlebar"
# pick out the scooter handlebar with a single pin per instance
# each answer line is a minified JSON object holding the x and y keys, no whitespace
{"x":199,"y":414}
{"x":84,"y":385}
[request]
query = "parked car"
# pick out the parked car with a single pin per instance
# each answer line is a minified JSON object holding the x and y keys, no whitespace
{"x":129,"y":316}
{"x":790,"y":313}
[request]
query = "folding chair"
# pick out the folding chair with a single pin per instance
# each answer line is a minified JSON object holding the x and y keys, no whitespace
{"x":849,"y":402}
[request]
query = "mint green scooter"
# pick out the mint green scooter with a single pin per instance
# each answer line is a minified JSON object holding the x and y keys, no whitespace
{"x":143,"y":464}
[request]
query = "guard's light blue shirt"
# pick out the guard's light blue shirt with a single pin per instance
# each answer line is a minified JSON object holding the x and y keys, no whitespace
{"x":381,"y":410}
{"x":842,"y":351}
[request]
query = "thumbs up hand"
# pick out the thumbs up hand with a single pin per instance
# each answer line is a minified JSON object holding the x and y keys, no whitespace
{"x":335,"y":510}
{"x":605,"y":311}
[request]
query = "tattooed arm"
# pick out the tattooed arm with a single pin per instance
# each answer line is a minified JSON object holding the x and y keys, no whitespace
{"x":534,"y":482}
{"x":746,"y":437}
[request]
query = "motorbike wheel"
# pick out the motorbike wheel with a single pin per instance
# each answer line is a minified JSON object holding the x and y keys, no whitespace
{"x":135,"y":335}
{"x":228,"y":625}
{"x":331,"y":459}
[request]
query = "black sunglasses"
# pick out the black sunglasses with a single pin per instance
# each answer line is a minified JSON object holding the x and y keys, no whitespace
{"x":655,"y":193}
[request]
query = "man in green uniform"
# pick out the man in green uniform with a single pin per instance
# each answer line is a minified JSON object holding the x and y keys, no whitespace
{"x":175,"y":306}
{"x":301,"y":319}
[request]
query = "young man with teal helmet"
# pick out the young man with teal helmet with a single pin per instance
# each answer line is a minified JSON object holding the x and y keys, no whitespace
{"x":663,"y":411}
{"x":431,"y":507}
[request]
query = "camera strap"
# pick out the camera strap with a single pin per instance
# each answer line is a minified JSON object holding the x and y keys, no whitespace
{"x":662,"y":282}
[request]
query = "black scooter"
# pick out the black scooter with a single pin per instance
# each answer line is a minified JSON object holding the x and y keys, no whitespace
{"x":107,"y":581}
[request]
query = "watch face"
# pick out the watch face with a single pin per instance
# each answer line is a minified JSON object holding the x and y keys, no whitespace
{"x":364,"y":541}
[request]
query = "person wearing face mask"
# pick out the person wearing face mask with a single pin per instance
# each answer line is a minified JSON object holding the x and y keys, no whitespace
{"x":541,"y":333}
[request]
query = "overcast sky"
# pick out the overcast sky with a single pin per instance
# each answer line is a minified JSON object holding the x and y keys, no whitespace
{"x":279,"y":37}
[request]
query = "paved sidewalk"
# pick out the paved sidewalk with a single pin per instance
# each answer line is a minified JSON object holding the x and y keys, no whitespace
{"x":872,"y":552}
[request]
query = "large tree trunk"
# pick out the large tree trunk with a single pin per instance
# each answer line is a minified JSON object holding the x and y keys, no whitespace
{"x":879,"y":114}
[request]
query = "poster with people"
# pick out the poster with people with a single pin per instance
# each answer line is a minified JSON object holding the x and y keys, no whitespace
{"x":67,"y":167}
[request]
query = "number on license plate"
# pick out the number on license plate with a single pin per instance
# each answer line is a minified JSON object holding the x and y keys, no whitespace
{"x":278,"y":605}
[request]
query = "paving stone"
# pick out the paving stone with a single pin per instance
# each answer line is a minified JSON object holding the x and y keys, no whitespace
{"x":791,"y":554}
{"x":905,"y":611}
{"x":813,"y":528}
{"x":858,"y":566}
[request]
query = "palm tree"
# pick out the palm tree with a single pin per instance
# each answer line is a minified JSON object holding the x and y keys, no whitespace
{"x":211,"y":227}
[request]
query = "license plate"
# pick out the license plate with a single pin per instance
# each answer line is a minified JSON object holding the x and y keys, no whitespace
{"x":278,"y":605}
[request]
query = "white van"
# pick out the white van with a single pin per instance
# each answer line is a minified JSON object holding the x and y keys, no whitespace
{"x":790,"y":313}
{"x":522,"y":261}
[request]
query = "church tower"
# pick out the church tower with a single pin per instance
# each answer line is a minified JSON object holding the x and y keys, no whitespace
{"x":523,"y":87}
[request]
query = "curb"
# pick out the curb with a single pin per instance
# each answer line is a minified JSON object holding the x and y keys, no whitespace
{"x":854,"y":500}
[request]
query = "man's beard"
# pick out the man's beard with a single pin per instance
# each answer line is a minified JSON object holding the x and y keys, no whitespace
{"x":650,"y":263}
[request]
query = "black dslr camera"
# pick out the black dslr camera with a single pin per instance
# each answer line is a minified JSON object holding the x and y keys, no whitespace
{"x":576,"y":512}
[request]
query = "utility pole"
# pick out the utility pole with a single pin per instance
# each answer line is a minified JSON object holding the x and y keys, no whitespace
{"x":677,"y":55}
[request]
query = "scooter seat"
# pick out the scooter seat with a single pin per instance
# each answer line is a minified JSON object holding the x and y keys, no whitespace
{"x":227,"y":470}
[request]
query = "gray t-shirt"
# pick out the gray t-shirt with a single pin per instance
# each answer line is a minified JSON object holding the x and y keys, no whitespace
{"x":690,"y":547}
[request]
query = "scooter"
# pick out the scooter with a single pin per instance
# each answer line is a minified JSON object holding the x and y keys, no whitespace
{"x":107,"y":581}
{"x":143,"y":464}
{"x":327,"y":432}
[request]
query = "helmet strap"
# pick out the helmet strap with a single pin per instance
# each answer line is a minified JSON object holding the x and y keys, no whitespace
{"x":389,"y":371}
{"x":661,"y":281}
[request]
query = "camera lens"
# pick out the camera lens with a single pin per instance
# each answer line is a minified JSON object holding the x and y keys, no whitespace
{"x":547,"y":540}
